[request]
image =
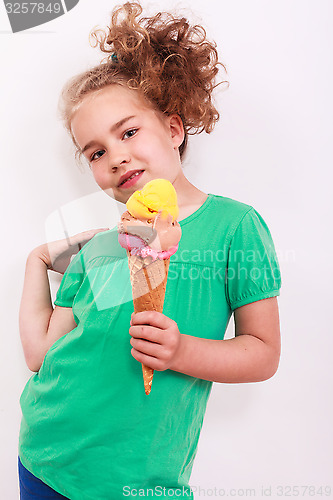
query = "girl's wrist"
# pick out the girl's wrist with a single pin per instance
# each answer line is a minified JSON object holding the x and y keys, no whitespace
{"x":177,"y":362}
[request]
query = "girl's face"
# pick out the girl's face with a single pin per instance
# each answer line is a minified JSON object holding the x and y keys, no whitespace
{"x":126,"y":142}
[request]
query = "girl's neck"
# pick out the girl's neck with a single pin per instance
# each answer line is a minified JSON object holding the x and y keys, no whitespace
{"x":190,"y":198}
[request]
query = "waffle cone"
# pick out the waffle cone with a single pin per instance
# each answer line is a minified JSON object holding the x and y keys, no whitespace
{"x":148,"y":280}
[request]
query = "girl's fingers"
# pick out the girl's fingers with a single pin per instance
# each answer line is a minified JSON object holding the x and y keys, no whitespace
{"x":85,"y":236}
{"x":149,"y":361}
{"x":146,"y":347}
{"x":57,"y":254}
{"x":146,"y":332}
{"x":153,"y":318}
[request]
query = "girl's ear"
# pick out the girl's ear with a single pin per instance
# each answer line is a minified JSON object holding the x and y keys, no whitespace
{"x":176,"y":129}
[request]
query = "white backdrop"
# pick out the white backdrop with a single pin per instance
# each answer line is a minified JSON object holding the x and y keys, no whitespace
{"x":271,"y":149}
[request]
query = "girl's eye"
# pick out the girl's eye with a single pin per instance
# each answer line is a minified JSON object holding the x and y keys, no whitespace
{"x":94,"y":157}
{"x":131,"y":132}
{"x":98,"y":154}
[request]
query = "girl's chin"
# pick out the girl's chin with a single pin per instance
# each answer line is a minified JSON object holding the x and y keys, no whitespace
{"x":115,"y":195}
{"x":109,"y":192}
{"x":121,"y":195}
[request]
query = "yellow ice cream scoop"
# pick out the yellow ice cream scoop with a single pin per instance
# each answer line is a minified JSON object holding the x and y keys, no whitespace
{"x":156,"y":196}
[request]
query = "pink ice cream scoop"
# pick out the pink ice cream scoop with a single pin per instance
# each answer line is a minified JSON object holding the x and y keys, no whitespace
{"x":158,"y":237}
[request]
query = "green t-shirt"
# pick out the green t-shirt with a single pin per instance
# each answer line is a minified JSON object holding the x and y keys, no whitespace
{"x":88,"y":430}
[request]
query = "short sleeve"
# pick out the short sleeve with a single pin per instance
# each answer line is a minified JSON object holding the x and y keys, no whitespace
{"x":71,"y":281}
{"x":253,"y":271}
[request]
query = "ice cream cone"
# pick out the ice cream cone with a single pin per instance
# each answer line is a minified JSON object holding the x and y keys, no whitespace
{"x":148,"y":280}
{"x":150,"y":233}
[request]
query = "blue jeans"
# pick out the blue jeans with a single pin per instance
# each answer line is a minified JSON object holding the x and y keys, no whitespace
{"x":32,"y":488}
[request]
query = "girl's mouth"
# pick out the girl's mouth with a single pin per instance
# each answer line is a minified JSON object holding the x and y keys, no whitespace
{"x":130,"y":181}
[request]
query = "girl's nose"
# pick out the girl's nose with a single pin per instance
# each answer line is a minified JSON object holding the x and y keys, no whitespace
{"x":118,"y":158}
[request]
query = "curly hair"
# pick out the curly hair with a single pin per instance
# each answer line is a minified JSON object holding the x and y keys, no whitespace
{"x":170,"y":62}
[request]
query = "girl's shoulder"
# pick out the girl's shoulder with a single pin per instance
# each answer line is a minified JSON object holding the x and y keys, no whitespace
{"x":217,"y":219}
{"x":230,"y":210}
{"x":230,"y":203}
{"x":227,"y":215}
{"x":240,"y":219}
{"x":103,"y":244}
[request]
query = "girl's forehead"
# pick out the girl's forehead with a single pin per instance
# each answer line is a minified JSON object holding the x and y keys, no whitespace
{"x":118,"y":96}
{"x":112,"y":104}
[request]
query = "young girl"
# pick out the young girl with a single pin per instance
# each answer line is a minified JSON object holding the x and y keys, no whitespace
{"x":88,"y":430}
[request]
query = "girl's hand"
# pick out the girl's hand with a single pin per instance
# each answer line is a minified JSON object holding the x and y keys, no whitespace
{"x":57,"y":254}
{"x":155,"y":339}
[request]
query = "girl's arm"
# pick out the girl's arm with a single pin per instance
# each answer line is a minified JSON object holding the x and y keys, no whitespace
{"x":252,"y":356}
{"x":40,"y":325}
